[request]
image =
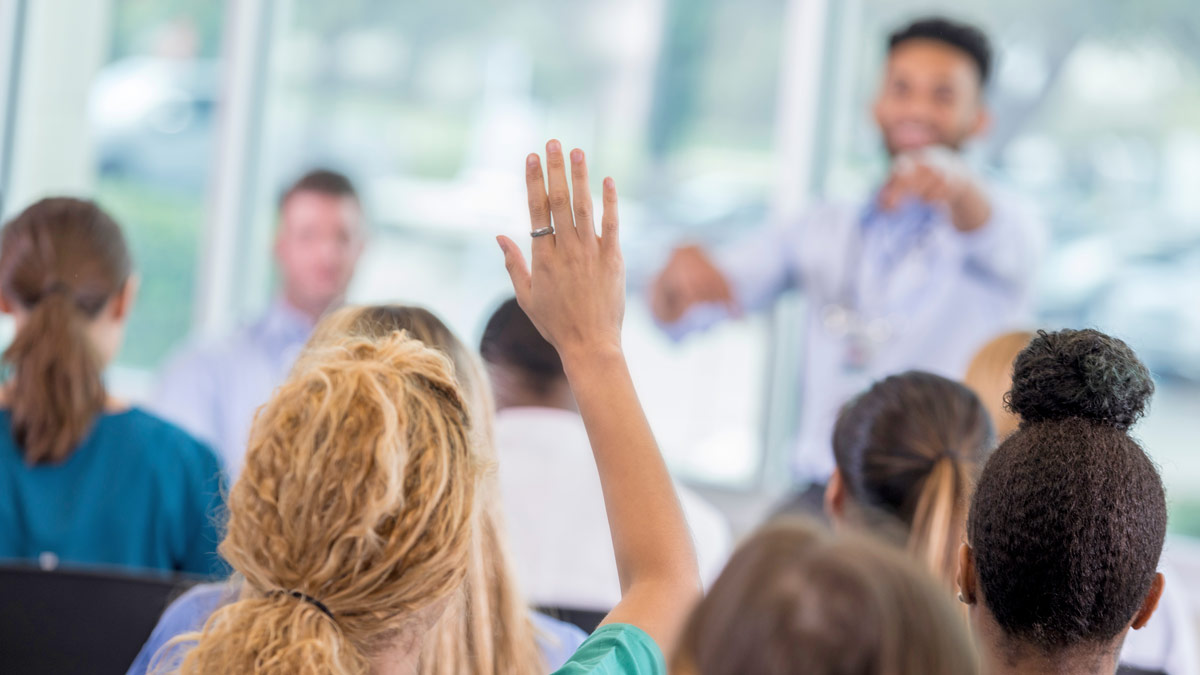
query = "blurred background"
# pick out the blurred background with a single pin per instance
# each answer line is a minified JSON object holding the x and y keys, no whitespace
{"x":185,"y":118}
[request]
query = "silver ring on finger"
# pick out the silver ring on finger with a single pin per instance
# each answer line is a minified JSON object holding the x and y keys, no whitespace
{"x":541,"y":232}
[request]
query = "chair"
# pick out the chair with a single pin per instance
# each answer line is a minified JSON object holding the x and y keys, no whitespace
{"x":586,"y":620}
{"x":71,"y":621}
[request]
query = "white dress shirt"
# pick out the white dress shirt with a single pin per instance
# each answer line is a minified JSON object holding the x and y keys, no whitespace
{"x":557,"y":525}
{"x":887,"y":291}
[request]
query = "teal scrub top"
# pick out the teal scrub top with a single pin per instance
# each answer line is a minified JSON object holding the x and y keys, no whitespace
{"x":616,"y":649}
{"x":138,"y":492}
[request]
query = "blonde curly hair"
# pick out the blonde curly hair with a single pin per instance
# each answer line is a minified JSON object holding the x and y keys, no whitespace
{"x":487,"y":628}
{"x":357,"y":497}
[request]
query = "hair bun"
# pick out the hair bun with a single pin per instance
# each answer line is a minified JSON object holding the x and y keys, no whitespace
{"x":1080,"y":374}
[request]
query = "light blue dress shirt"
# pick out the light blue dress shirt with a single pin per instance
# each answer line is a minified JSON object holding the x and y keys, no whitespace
{"x":213,"y":390}
{"x":886,"y":291}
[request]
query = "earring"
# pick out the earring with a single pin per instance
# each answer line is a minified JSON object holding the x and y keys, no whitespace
{"x":962,"y":599}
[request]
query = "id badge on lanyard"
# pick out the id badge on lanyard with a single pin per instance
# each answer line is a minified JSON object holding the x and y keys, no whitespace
{"x":861,"y":338}
{"x":861,"y":332}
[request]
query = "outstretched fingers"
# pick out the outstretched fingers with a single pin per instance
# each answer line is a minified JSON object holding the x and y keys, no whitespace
{"x":539,"y":204}
{"x":585,"y":226}
{"x":609,"y":221}
{"x":559,"y":195}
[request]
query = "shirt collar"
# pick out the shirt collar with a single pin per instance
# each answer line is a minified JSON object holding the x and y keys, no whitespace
{"x":285,"y":323}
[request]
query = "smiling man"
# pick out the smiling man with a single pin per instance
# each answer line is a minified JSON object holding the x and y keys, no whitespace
{"x":917,"y":275}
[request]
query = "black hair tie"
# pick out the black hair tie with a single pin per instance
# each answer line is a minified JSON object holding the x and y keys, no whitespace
{"x":306,"y":598}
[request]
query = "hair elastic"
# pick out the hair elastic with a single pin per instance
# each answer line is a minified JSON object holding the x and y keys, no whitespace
{"x":306,"y":598}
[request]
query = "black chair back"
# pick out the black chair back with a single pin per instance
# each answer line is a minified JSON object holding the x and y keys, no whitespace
{"x":68,"y":621}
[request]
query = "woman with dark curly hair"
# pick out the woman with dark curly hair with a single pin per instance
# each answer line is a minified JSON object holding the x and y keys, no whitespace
{"x":1069,"y":516}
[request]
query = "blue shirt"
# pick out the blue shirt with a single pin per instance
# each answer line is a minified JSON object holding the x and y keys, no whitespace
{"x":137,"y":492}
{"x":885,"y":292}
{"x":556,"y":639}
{"x":213,"y":390}
{"x":616,"y":649}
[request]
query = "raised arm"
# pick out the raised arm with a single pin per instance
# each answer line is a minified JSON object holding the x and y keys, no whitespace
{"x":575,"y":295}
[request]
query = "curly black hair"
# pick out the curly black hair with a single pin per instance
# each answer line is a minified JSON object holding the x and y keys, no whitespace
{"x":1069,"y":516}
{"x":964,"y":37}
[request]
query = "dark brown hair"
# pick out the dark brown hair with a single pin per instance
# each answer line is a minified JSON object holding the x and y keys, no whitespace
{"x":1069,"y":519}
{"x":793,"y":600}
{"x":909,"y":449}
{"x":61,"y":260}
{"x":321,"y":181}
{"x":511,"y":339}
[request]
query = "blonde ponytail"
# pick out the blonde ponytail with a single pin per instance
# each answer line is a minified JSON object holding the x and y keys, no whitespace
{"x":358,"y":493}
{"x":939,"y":519}
{"x":486,"y":630}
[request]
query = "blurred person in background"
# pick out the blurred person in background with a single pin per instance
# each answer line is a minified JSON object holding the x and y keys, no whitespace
{"x":213,"y":389}
{"x":990,"y":376}
{"x":88,"y":479}
{"x":915,"y":276}
{"x":548,"y":481}
{"x":795,"y":600}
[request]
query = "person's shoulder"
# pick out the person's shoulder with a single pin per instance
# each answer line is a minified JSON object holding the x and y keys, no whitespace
{"x":157,"y":439}
{"x":191,"y":609}
{"x":617,"y":649}
{"x":206,"y":353}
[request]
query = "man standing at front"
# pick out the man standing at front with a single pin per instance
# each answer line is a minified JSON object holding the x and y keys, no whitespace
{"x":916,"y":276}
{"x":213,"y":390}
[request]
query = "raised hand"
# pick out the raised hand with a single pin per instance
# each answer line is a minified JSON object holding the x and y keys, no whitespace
{"x":575,"y":290}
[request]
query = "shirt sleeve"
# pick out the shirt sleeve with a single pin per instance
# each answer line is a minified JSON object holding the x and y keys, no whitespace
{"x":759,"y":268}
{"x":186,"y":395}
{"x":1009,"y":247}
{"x":616,"y":649}
{"x":188,"y":613}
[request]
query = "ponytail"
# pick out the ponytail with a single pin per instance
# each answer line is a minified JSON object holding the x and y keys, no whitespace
{"x":61,"y":262}
{"x":351,"y":522}
{"x":56,"y":389}
{"x":939,"y":518}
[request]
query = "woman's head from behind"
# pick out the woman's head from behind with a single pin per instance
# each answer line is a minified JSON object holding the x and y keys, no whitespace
{"x":794,"y":599}
{"x":357,"y":492}
{"x":1069,"y":517}
{"x":908,"y":451}
{"x":65,"y":276}
{"x":487,"y":629}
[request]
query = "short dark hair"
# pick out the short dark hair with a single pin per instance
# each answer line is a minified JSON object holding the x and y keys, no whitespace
{"x":511,"y":339}
{"x":962,"y":36}
{"x":321,"y":181}
{"x":1070,"y":514}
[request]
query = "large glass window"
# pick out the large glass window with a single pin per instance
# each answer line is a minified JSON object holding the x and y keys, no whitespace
{"x":152,"y":120}
{"x":431,"y":108}
{"x":1097,"y":118}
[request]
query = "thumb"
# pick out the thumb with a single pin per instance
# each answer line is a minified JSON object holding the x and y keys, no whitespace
{"x":518,"y":271}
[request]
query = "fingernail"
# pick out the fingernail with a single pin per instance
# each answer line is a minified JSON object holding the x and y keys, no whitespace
{"x":608,"y":183}
{"x":554,"y":146}
{"x":500,"y":243}
{"x":577,"y":155}
{"x":532,"y":159}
